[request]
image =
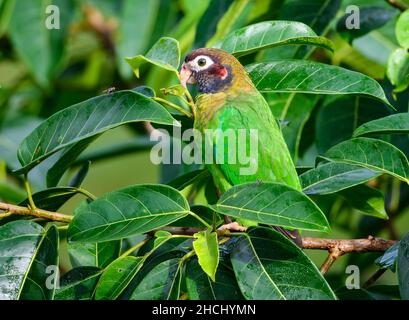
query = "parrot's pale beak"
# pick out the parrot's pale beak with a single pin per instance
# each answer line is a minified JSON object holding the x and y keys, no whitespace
{"x":185,"y":75}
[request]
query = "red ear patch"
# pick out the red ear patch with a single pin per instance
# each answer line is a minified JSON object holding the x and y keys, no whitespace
{"x":222,"y":72}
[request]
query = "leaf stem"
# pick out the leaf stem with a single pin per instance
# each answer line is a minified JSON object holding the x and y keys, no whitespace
{"x":86,"y":193}
{"x":29,"y":195}
{"x":200,"y":219}
{"x":134,"y":248}
{"x":173,"y":106}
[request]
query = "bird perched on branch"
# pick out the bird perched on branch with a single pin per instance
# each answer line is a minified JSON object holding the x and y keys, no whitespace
{"x":229,"y":102}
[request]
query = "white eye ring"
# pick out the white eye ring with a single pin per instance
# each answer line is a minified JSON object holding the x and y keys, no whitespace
{"x":201,"y":63}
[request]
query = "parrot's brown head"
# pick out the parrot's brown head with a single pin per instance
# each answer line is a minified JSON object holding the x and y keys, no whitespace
{"x":213,"y":70}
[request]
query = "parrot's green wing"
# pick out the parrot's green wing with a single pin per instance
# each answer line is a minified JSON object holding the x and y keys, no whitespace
{"x":257,"y":149}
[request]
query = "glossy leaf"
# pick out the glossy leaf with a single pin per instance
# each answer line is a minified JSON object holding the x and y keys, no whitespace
{"x":65,"y":158}
{"x":339,"y":116}
{"x":367,"y":200}
{"x":161,"y":283}
{"x":402,"y":29}
{"x":372,"y":154}
{"x":332,"y":177}
{"x":204,"y":212}
{"x":93,"y":254}
{"x":126,"y":212}
{"x":165,"y":54}
{"x":393,"y":124}
{"x":388,"y":258}
{"x":207,"y":251}
{"x":52,"y":199}
{"x":78,"y":284}
{"x":313,"y":78}
{"x":26,"y":250}
{"x":403,"y":267}
{"x":282,"y":273}
{"x":86,"y":120}
{"x":398,"y":69}
{"x":201,"y":287}
{"x":116,"y":277}
{"x":272,"y":203}
{"x":318,"y":14}
{"x":370,"y":18}
{"x":269,"y":34}
{"x":189,"y":178}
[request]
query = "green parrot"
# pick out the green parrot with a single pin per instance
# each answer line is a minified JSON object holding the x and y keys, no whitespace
{"x":229,"y":101}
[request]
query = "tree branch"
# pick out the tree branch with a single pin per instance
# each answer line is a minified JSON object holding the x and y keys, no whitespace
{"x":397,"y":4}
{"x":39,"y":213}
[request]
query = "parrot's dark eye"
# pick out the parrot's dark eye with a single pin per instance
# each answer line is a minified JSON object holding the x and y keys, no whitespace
{"x":201,"y":62}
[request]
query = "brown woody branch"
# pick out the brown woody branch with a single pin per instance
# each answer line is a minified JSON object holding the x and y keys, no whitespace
{"x":335,"y":247}
{"x":338,"y":247}
{"x":39,"y":213}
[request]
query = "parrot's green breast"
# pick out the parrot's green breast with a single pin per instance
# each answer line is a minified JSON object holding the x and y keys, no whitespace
{"x":246,"y":117}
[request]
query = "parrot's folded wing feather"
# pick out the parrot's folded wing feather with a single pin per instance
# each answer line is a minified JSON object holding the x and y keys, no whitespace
{"x":253,"y":141}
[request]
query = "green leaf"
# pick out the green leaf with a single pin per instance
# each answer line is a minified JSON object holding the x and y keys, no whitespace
{"x":398,"y":69}
{"x":314,"y":78}
{"x":269,"y":266}
{"x":403,"y":267}
{"x":78,"y":284}
{"x":393,"y":124}
{"x":165,"y":54}
{"x":200,"y":287}
{"x":116,"y":277}
{"x":161,"y":283}
{"x":318,"y":14}
{"x":43,"y":55}
{"x":135,"y":15}
{"x":93,"y":254}
{"x":204,"y":212}
{"x":370,"y":18}
{"x":52,"y":199}
{"x":294,"y":109}
{"x":402,"y":29}
{"x":270,"y":34}
{"x":388,"y":258}
{"x":126,"y":212}
{"x":332,"y":177}
{"x":372,"y":154}
{"x":86,"y":120}
{"x":189,"y":178}
{"x":272,"y":203}
{"x":339,"y":116}
{"x":65,"y":158}
{"x":207,"y":25}
{"x":6,"y":10}
{"x":26,"y":250}
{"x":234,"y":17}
{"x":367,"y":200}
{"x":207,"y":250}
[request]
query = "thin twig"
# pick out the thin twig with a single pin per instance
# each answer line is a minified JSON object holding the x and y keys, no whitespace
{"x":397,"y":4}
{"x":372,"y":279}
{"x":39,"y":213}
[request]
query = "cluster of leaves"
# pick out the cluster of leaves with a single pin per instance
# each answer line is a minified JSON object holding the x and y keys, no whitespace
{"x":349,"y":141}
